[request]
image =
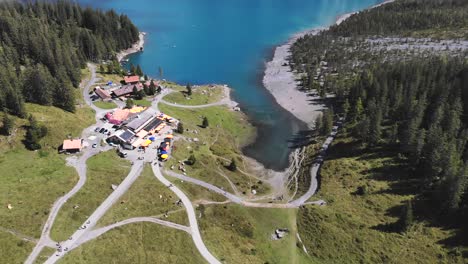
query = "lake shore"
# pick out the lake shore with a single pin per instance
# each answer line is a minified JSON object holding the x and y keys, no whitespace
{"x":283,"y":84}
{"x":136,"y":47}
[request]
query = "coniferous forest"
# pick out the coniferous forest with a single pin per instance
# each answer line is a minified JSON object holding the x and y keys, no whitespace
{"x":414,"y":105}
{"x":44,"y":44}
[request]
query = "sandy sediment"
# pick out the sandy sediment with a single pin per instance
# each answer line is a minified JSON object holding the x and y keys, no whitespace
{"x":137,"y":47}
{"x":282,"y":84}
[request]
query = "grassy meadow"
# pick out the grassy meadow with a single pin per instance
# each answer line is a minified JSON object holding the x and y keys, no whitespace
{"x":104,"y":170}
{"x":105,"y":105}
{"x":137,"y":243}
{"x":359,"y":227}
{"x":200,"y":95}
{"x":146,"y":197}
{"x":217,"y":145}
{"x":236,"y":234}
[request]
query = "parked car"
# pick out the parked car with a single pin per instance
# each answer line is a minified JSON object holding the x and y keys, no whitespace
{"x":102,"y":130}
{"x":94,"y":145}
{"x":123,"y":154}
{"x":97,"y":129}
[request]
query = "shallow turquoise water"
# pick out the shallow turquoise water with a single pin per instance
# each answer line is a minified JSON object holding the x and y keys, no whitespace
{"x":229,"y":41}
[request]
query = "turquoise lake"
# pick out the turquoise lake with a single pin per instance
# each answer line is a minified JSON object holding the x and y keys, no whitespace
{"x":228,"y":42}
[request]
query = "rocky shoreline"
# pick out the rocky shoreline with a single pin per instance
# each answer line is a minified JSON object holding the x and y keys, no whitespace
{"x":137,"y":47}
{"x":283,"y":84}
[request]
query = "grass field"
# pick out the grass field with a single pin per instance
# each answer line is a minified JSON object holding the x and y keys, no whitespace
{"x":217,"y":145}
{"x":14,"y":249}
{"x":354,"y":228}
{"x":32,"y":180}
{"x":236,"y":234}
{"x":200,"y":95}
{"x":105,"y":105}
{"x":105,"y":78}
{"x":195,"y":192}
{"x":137,"y":243}
{"x":104,"y":169}
{"x":146,"y":197}
{"x":44,"y":255}
{"x":142,"y":102}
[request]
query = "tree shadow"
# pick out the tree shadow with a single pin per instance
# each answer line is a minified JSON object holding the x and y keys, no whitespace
{"x":320,"y":100}
{"x":302,"y":138}
{"x":394,"y":227}
{"x":344,"y":150}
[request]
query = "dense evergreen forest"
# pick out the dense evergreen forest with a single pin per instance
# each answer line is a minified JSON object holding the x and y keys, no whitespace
{"x":43,"y":45}
{"x":408,"y":18}
{"x":414,"y":104}
{"x":419,"y":107}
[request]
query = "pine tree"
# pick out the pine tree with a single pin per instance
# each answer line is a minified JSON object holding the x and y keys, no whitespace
{"x":146,"y":89}
{"x":318,"y":125}
{"x":132,"y":69}
{"x":346,"y":107}
{"x":110,"y":68}
{"x":129,"y":104}
{"x":138,"y":71}
{"x":8,"y":124}
{"x":205,"y":123}
{"x":34,"y":133}
{"x":375,"y":120}
{"x":189,"y":89}
{"x":138,"y":95}
{"x":152,"y":88}
{"x":358,"y":110}
{"x":327,"y":122}
{"x":361,"y":130}
{"x":232,"y":166}
{"x":191,"y":160}
{"x":180,"y":128}
{"x":407,"y":217}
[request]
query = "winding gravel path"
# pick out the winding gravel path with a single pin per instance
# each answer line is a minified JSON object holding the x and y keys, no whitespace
{"x":84,"y":235}
{"x":98,"y":232}
{"x":209,"y":186}
{"x":314,"y":169}
{"x":196,"y":236}
{"x":100,"y":211}
{"x":80,"y":166}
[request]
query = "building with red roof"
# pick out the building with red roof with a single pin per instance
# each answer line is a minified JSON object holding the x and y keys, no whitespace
{"x":103,"y":94}
{"x":127,"y":89}
{"x":72,"y":145}
{"x":131,"y":79}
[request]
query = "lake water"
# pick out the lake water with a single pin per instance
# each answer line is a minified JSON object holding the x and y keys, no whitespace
{"x":228,"y":42}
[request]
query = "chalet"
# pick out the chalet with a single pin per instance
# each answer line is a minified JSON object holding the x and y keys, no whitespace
{"x":118,"y":116}
{"x":72,"y":145}
{"x":123,"y":137}
{"x":142,"y":120}
{"x":136,"y":128}
{"x":103,"y":94}
{"x":132,"y":79}
{"x":127,"y":89}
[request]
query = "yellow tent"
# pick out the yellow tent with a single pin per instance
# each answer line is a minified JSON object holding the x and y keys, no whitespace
{"x":146,"y":143}
{"x":137,"y":109}
{"x":164,"y":156}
